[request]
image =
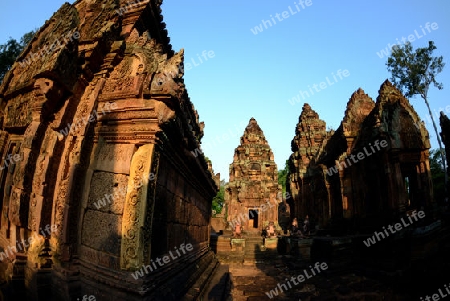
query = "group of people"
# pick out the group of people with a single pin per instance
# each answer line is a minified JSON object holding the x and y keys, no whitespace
{"x":269,"y":231}
{"x":304,"y":231}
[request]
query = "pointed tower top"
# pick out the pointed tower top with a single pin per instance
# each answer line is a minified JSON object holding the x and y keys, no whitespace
{"x":253,"y":126}
{"x":358,"y":107}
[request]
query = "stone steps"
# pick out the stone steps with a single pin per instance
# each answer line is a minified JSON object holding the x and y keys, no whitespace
{"x":248,"y":249}
{"x":219,"y":286}
{"x":256,"y":252}
{"x":205,"y":271}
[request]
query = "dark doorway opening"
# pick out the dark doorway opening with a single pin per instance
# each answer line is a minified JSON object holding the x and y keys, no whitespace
{"x":253,"y":215}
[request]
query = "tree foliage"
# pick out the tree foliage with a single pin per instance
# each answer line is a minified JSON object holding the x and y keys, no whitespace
{"x":219,"y":200}
{"x":282,"y":174}
{"x":11,"y":50}
{"x":413,"y":72}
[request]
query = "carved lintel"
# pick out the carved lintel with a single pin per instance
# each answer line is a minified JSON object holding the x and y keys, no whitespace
{"x":135,"y":121}
{"x":17,"y":112}
{"x":125,"y":87}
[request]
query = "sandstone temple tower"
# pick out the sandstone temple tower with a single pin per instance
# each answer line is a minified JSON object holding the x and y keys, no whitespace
{"x":310,"y":137}
{"x":346,"y":175}
{"x":251,"y":195}
{"x":96,"y":135}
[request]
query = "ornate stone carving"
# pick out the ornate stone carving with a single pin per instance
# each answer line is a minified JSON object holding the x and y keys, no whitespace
{"x":86,"y":120}
{"x":253,"y":185}
{"x":17,"y":112}
{"x":125,"y":81}
{"x":135,"y":208}
{"x":358,"y":107}
{"x":328,"y":183}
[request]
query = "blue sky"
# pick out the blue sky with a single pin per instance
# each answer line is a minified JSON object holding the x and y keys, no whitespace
{"x":255,"y":75}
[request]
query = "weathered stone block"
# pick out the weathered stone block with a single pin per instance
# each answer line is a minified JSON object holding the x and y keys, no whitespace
{"x":115,"y":157}
{"x":108,"y":192}
{"x":237,"y":244}
{"x":101,"y":231}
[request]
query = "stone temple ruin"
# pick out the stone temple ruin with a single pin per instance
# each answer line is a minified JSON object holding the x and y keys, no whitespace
{"x":103,"y":127}
{"x":101,"y":195}
{"x":251,"y":195}
{"x":336,"y":175}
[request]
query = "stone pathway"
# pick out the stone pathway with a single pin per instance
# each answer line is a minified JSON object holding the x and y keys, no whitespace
{"x":251,"y":282}
{"x":254,"y":271}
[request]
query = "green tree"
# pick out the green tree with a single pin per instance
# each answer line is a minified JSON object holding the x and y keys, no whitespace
{"x":26,"y":38}
{"x":282,"y":174}
{"x":413,"y":72}
{"x":11,"y":50}
{"x":219,"y":200}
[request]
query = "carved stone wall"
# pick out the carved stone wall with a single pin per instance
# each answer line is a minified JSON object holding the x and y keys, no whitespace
{"x":252,"y":193}
{"x":338,"y":149}
{"x":390,"y":176}
{"x":307,"y":145}
{"x":97,"y":136}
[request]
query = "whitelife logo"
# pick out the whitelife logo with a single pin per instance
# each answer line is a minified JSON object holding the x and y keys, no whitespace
{"x":411,"y":38}
{"x":124,"y":9}
{"x":360,"y":155}
{"x":322,"y":85}
{"x":300,"y":278}
{"x":398,"y":226}
{"x":13,"y":159}
{"x":123,"y":191}
{"x":284,"y":15}
{"x":208,"y":146}
{"x":210,"y":54}
{"x":23,"y":243}
{"x":166,"y":259}
{"x":72,"y":127}
{"x":437,"y":297}
{"x":42,"y":52}
{"x":86,"y":298}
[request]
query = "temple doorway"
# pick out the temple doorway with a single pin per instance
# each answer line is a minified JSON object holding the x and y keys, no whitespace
{"x":253,"y":218}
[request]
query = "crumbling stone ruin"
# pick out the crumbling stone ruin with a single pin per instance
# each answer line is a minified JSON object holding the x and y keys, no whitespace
{"x":337,"y":175}
{"x":100,"y":129}
{"x":103,"y":192}
{"x":252,"y":193}
{"x":310,"y":135}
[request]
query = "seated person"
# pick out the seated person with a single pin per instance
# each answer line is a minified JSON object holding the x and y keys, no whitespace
{"x":237,"y":230}
{"x":295,"y":227}
{"x":270,"y":229}
{"x":296,"y":230}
